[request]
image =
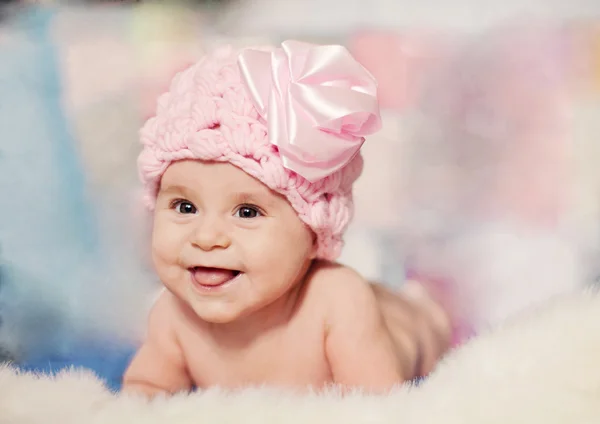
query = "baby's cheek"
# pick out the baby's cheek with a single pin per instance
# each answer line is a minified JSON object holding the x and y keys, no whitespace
{"x":167,"y":239}
{"x":165,"y":257}
{"x":276,"y":251}
{"x":160,"y":265}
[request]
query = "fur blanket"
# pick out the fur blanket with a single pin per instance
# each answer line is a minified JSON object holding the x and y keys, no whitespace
{"x":541,"y":368}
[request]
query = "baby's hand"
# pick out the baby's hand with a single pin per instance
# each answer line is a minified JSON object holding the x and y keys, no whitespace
{"x":144,"y":389}
{"x":418,"y":326}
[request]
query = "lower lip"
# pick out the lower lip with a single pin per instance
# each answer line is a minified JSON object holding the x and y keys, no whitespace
{"x":204,"y":288}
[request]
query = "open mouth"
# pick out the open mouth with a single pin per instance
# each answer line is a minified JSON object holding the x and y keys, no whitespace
{"x":212,"y":278}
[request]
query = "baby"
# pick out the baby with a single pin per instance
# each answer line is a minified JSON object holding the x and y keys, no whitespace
{"x":249,"y":165}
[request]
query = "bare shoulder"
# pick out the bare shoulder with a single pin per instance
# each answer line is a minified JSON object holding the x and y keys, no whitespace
{"x":331,"y":277}
{"x":163,"y":315}
{"x":343,"y":290}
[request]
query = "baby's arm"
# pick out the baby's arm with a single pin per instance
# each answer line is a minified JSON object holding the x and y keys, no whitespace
{"x":358,"y":346}
{"x":159,"y":365}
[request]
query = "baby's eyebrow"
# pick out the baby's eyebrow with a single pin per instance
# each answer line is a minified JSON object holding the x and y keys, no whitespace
{"x":262,"y":197}
{"x":174,"y":188}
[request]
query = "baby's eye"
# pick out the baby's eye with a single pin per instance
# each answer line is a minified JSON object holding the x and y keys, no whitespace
{"x":184,"y":207}
{"x":248,"y":212}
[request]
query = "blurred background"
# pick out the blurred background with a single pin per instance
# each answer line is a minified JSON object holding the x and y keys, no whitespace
{"x":484,"y":181}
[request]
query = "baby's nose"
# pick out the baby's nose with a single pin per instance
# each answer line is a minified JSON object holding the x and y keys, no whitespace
{"x":211,"y":234}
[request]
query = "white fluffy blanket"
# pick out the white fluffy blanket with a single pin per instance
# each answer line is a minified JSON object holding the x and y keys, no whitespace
{"x":541,"y":368}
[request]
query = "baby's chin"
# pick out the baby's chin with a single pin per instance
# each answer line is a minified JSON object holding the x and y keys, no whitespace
{"x":217,"y":311}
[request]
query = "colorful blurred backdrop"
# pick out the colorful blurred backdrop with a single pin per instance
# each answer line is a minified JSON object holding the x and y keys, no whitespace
{"x":484,"y":180}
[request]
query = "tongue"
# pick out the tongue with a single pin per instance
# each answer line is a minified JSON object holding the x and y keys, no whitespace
{"x":212,"y":276}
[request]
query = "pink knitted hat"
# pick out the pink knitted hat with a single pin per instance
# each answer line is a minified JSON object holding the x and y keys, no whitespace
{"x":293,"y":117}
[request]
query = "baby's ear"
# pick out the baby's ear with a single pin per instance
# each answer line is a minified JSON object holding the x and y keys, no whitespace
{"x":315,"y":246}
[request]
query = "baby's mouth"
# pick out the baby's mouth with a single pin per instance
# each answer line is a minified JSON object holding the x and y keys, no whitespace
{"x":212,"y":277}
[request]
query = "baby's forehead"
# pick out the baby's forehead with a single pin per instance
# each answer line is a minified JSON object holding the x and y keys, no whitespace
{"x":197,"y":172}
{"x":220,"y":177}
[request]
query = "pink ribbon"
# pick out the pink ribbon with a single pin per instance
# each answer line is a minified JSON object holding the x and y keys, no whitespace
{"x":318,"y":101}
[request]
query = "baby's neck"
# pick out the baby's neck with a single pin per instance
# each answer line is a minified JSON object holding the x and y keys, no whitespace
{"x":261,"y":323}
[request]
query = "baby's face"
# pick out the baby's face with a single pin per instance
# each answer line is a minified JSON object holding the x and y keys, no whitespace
{"x":224,"y":243}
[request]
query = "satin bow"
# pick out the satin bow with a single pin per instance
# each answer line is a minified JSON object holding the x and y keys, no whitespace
{"x":318,"y":101}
